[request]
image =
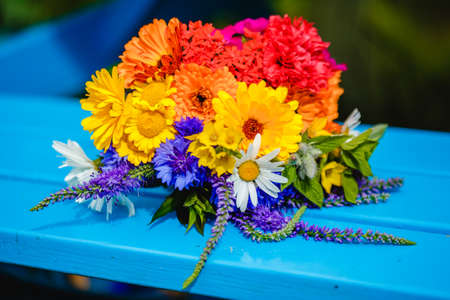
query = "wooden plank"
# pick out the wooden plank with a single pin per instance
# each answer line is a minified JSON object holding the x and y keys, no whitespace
{"x":69,"y":237}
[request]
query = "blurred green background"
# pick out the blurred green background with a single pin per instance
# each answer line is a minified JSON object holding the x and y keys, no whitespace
{"x":397,"y":52}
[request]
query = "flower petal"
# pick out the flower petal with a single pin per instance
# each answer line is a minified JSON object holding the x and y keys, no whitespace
{"x":253,"y":195}
{"x":242,"y":196}
{"x":268,"y":157}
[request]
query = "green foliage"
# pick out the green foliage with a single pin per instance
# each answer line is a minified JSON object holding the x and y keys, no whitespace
{"x":191,"y":207}
{"x":310,"y":188}
{"x":328,"y":143}
{"x":350,"y":186}
{"x":357,"y":151}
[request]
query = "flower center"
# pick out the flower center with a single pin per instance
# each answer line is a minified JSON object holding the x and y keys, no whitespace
{"x":248,"y":170}
{"x":154,"y":92}
{"x":201,"y":95}
{"x":167,"y":64}
{"x":251,"y":128}
{"x":151,"y":123}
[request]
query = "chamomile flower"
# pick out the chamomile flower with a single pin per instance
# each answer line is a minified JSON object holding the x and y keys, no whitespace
{"x":250,"y":172}
{"x":83,"y":170}
{"x":82,"y":167}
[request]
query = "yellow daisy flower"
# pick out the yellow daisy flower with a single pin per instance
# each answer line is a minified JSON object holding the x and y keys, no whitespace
{"x":154,"y":95}
{"x":134,"y":155}
{"x":331,"y":175}
{"x":151,"y":121}
{"x":261,"y":109}
{"x":110,"y":110}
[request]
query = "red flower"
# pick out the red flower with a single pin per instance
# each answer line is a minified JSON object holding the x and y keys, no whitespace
{"x":294,"y":55}
{"x":245,"y":64}
{"x":201,"y":44}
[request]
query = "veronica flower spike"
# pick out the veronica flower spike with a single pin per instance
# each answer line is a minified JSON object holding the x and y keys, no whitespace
{"x":249,"y":173}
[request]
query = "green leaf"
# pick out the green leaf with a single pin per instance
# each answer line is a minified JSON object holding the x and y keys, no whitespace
{"x":328,"y":143}
{"x":367,"y":148}
{"x":349,"y":160}
{"x":357,"y":160}
{"x":290,"y":172}
{"x":191,"y":199}
{"x":200,"y":227}
{"x":363,"y":164}
{"x":305,"y":137}
{"x":192,"y":219}
{"x":350,"y":187}
{"x":209,"y":209}
{"x":311,"y":189}
{"x":166,"y":207}
{"x":356,"y":141}
{"x":377,"y":132}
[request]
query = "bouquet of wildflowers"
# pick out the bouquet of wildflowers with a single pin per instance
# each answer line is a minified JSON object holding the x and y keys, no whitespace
{"x":239,"y":125}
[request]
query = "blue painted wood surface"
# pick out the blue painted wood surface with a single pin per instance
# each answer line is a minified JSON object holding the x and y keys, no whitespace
{"x":70,"y":238}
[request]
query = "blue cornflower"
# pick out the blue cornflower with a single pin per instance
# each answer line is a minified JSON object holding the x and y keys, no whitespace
{"x":189,"y":126}
{"x":110,"y":159}
{"x":175,"y":167}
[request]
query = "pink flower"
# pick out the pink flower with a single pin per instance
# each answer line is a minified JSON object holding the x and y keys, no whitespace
{"x":232,"y":34}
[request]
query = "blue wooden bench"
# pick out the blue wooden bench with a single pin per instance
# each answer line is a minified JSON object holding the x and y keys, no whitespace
{"x":72,"y":239}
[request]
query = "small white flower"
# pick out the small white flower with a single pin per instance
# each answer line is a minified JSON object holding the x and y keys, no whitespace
{"x":249,"y":173}
{"x":83,"y":169}
{"x":352,"y":121}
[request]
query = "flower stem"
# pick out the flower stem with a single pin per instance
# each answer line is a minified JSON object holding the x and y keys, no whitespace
{"x":224,"y":205}
{"x":257,"y":235}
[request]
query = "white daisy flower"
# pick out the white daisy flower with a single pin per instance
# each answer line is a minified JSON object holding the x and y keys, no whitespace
{"x":352,"y":121}
{"x":83,"y":169}
{"x":249,"y":173}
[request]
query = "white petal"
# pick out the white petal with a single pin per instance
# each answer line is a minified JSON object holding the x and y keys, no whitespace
{"x":97,"y":204}
{"x":109,"y":208}
{"x":265,"y":189}
{"x":253,"y":149}
{"x":274,"y":177}
{"x":268,"y":157}
{"x":272,"y":167}
{"x":253,"y":195}
{"x":128,"y":203}
{"x":352,"y":121}
{"x":75,"y":156}
{"x":242,"y":196}
{"x":266,"y":181}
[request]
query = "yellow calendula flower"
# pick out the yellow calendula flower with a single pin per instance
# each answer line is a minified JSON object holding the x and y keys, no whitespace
{"x":317,"y":128}
{"x":260,"y":109}
{"x":133,"y":154}
{"x":331,"y":175}
{"x":154,"y":95}
{"x":151,"y":121}
{"x":109,"y":107}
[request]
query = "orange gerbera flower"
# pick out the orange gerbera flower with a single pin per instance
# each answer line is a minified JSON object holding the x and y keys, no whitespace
{"x":196,"y":87}
{"x":320,"y":105}
{"x":156,"y":52}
